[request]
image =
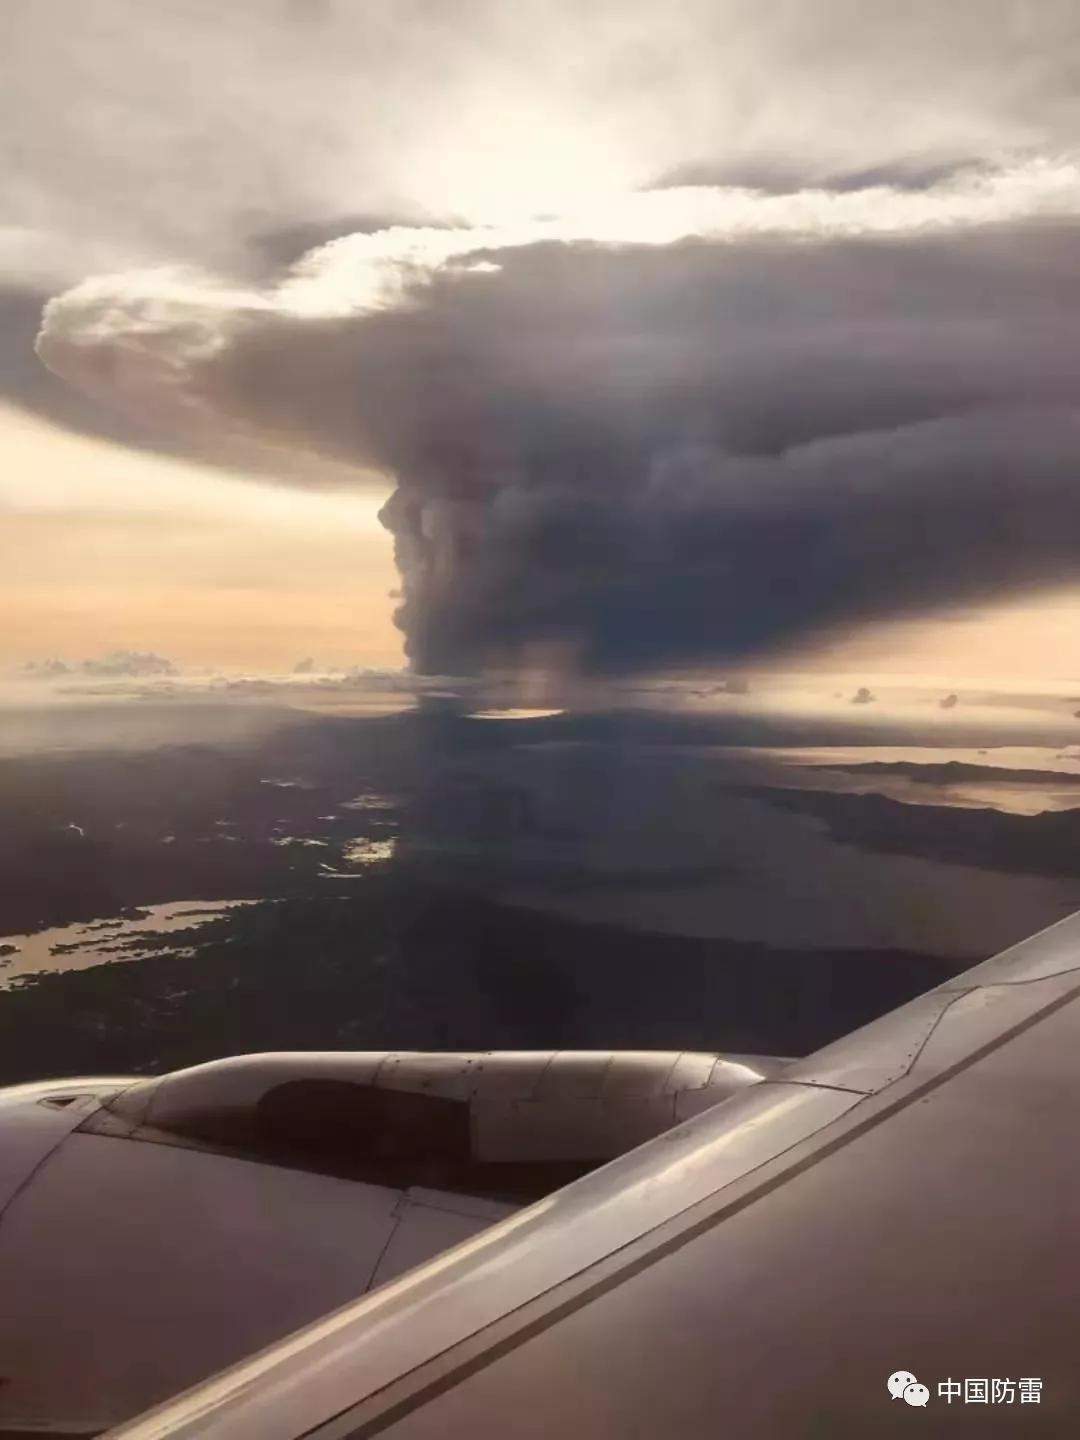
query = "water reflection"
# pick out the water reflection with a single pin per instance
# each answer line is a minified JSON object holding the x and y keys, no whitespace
{"x":1013,"y":779}
{"x":99,"y":942}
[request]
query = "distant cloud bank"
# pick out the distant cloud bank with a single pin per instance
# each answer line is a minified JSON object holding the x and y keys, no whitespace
{"x":116,"y":664}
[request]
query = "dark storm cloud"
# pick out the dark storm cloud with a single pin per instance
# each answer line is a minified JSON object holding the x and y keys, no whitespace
{"x":625,"y":454}
{"x":641,"y":456}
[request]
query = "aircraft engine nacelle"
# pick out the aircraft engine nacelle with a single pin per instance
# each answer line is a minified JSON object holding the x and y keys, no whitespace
{"x":153,"y":1231}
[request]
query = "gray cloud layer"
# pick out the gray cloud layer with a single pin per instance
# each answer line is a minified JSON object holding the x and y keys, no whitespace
{"x":705,"y":451}
{"x":627,"y":454}
{"x":131,"y":134}
{"x":646,"y":455}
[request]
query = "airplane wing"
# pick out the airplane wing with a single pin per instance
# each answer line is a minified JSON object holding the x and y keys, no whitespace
{"x":154,"y":1231}
{"x":904,"y":1203}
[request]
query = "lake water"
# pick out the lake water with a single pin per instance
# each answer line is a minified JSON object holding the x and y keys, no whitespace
{"x":97,"y":942}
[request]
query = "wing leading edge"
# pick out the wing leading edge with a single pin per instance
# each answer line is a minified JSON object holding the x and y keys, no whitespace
{"x":903,"y":1199}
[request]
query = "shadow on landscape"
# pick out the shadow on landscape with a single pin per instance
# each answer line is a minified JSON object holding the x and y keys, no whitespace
{"x":340,"y":953}
{"x":394,"y":967}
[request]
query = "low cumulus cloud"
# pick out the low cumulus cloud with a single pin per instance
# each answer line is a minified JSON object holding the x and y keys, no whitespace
{"x":117,"y":664}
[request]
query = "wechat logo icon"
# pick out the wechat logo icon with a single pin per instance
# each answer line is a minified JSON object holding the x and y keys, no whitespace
{"x":902,"y":1385}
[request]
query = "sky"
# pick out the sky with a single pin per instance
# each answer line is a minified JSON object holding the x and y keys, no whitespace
{"x":112,"y":549}
{"x":483,"y":337}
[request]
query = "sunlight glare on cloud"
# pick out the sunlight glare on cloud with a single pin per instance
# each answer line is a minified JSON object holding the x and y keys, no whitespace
{"x":371,"y":271}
